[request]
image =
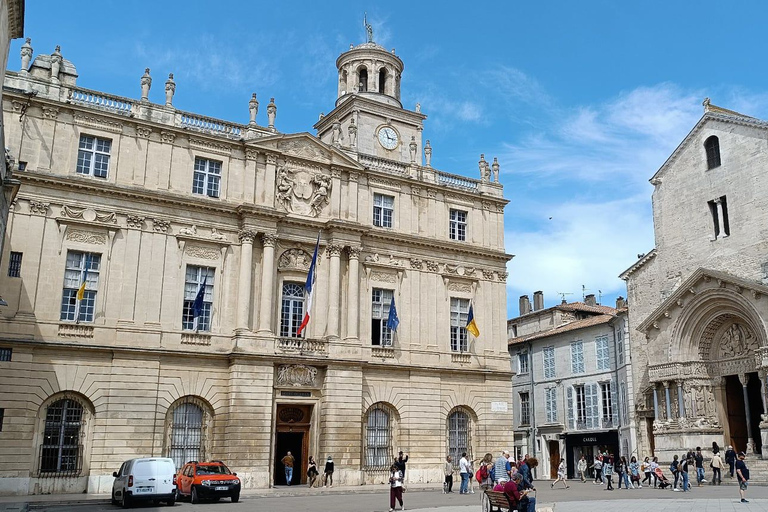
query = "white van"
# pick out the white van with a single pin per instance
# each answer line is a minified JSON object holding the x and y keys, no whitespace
{"x":148,"y":479}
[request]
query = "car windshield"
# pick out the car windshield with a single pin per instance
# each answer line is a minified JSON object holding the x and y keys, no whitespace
{"x":218,"y":469}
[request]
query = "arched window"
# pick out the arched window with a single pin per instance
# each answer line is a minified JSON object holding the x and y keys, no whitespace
{"x":378,"y":438}
{"x":363,"y":74}
{"x":712,"y":146}
{"x":187,"y":429}
{"x":382,"y":80}
{"x":62,"y":451}
{"x":458,"y":435}
{"x":292,"y":311}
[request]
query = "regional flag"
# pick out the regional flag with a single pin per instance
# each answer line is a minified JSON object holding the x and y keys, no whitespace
{"x":392,"y":320}
{"x":81,"y":290}
{"x":471,"y":324}
{"x":309,"y":288}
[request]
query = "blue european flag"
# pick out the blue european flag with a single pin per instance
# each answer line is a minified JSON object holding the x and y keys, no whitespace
{"x":197,"y":306}
{"x":392,"y":320}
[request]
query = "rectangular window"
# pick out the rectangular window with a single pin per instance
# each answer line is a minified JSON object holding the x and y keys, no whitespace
{"x":620,"y":346}
{"x":5,"y":354}
{"x":196,"y":278}
{"x":525,"y":409}
{"x":80,"y":267}
{"x":577,"y":357}
{"x":14,"y":265}
{"x":549,"y":362}
{"x":93,"y":156}
{"x":380,"y":302}
{"x":383,"y":210}
{"x":207,"y":177}
{"x":581,"y":407}
{"x":459,"y":314}
{"x":522,"y":359}
{"x":719,"y":210}
{"x":458,"y":225}
{"x":602,"y":353}
{"x":292,"y":310}
{"x":551,"y":403}
{"x":605,"y":396}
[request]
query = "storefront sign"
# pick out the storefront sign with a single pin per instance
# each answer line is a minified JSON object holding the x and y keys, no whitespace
{"x":498,"y":406}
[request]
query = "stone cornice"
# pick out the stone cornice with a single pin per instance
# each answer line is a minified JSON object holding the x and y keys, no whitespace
{"x":395,"y":238}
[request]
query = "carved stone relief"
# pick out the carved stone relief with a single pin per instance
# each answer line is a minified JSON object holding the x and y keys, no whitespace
{"x":302,"y":191}
{"x":86,"y":237}
{"x":384,"y":277}
{"x":294,"y":259}
{"x":38,"y":207}
{"x":737,"y":341}
{"x":88,"y":215}
{"x":303,"y":149}
{"x":296,"y":375}
{"x":460,"y":287}
{"x":134,"y":221}
{"x":198,"y":251}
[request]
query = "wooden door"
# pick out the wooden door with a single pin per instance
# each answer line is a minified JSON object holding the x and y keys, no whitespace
{"x":292,"y":433}
{"x":737,"y":415}
{"x":554,"y":458}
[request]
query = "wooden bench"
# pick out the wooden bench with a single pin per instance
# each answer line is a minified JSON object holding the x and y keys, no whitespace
{"x":497,"y":500}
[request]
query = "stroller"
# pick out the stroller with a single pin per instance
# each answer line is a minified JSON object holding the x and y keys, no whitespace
{"x":661,"y":480}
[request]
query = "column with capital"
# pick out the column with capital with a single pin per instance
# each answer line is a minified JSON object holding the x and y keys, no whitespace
{"x":744,"y":380}
{"x":668,"y":399}
{"x":334,"y":283}
{"x":720,"y":218}
{"x":353,"y":291}
{"x":267,"y":270}
{"x":655,"y":403}
{"x":680,"y":400}
{"x":763,"y":374}
{"x":244,"y":282}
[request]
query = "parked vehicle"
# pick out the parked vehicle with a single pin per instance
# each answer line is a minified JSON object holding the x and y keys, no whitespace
{"x":207,"y":480}
{"x":146,"y":479}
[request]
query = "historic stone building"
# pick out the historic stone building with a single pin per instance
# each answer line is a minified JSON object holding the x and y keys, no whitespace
{"x":193,"y":237}
{"x":699,"y":299}
{"x":573,"y":382}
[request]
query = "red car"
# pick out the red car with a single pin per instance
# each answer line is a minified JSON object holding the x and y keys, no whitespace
{"x":207,"y":481}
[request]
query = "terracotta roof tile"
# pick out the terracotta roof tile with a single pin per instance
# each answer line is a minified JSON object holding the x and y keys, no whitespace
{"x":570,"y":326}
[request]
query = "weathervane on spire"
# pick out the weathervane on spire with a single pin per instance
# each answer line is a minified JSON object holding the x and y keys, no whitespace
{"x":368,"y":27}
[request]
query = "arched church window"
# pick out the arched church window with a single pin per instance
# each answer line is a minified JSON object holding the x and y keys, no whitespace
{"x":712,"y":147}
{"x":62,"y":451}
{"x":382,"y":80}
{"x":363,"y":82}
{"x":458,"y":435}
{"x":378,"y":437}
{"x":187,"y":433}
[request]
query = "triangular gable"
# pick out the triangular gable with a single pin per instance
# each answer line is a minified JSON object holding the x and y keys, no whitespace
{"x":711,"y":113}
{"x":305,"y":146}
{"x":699,"y":275}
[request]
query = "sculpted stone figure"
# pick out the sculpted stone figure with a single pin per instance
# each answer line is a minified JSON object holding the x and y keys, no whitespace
{"x":56,"y":63}
{"x":170,"y":89}
{"x":216,"y":235}
{"x":495,"y":169}
{"x":368,"y":28}
{"x":412,"y":147}
{"x":352,"y":129}
{"x":320,"y":196}
{"x":26,"y":55}
{"x":253,"y":109}
{"x":284,"y":187}
{"x":336,"y":133}
{"x":428,"y":154}
{"x":146,"y":84}
{"x":271,"y":112}
{"x":485,"y":172}
{"x":188,"y":231}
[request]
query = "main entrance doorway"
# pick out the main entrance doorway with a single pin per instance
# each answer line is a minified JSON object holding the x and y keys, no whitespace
{"x":554,"y":458}
{"x":737,"y":415}
{"x":292,"y":435}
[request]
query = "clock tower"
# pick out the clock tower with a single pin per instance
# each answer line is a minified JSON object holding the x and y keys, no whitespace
{"x":369,"y":117}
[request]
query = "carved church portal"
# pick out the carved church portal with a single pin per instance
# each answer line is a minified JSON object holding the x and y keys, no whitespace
{"x":292,"y":434}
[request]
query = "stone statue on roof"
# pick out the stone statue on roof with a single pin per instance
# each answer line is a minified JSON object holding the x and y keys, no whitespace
{"x":368,"y":28}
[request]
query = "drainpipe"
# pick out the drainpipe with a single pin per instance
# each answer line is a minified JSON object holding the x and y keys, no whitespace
{"x":533,"y":404}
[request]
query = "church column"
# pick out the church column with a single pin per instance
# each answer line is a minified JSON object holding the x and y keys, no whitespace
{"x":680,"y":400}
{"x":668,"y":399}
{"x":353,"y":292}
{"x":720,"y":219}
{"x":334,"y":251}
{"x":744,"y":379}
{"x":244,"y":283}
{"x":763,"y":374}
{"x":655,"y":402}
{"x":267,"y":270}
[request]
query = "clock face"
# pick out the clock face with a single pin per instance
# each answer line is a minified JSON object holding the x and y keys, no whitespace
{"x":388,"y":137}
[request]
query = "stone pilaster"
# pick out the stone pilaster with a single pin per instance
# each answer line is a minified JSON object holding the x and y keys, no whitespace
{"x":334,"y":284}
{"x":353,"y":292}
{"x":267,"y":276}
{"x":343,"y":398}
{"x":244,"y":284}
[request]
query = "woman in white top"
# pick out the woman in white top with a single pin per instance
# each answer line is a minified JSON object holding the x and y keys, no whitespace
{"x":581,"y":467}
{"x":395,"y":488}
{"x":560,"y":475}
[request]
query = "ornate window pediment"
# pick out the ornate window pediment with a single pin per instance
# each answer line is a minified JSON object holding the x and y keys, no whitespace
{"x":294,"y":259}
{"x":87,"y":226}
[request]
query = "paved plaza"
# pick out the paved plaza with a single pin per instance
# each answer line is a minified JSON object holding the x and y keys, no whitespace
{"x":579,"y":498}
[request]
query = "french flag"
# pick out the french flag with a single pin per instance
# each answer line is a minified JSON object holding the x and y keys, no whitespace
{"x":309,"y":288}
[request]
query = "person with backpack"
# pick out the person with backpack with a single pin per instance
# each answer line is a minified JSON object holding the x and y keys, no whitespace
{"x":717,"y":466}
{"x":485,"y":474}
{"x":634,"y":469}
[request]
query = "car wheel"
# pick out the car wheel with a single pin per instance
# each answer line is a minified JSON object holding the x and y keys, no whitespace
{"x":235,"y":498}
{"x":125,"y":501}
{"x":194,"y":499}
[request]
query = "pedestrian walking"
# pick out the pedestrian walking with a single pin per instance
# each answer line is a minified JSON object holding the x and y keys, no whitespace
{"x":288,"y":461}
{"x":400,"y":461}
{"x":448,"y":470}
{"x":730,"y":458}
{"x":328,"y":472}
{"x":683,"y":467}
{"x":742,"y":472}
{"x":464,"y":474}
{"x":634,"y":469}
{"x":717,"y":467}
{"x":699,"y":459}
{"x":654,"y":465}
{"x":675,"y":470}
{"x":502,"y":467}
{"x":597,"y":466}
{"x":623,"y":470}
{"x":645,"y":467}
{"x":312,"y":471}
{"x":608,"y":472}
{"x":581,"y":467}
{"x":560,"y":475}
{"x":395,"y":487}
{"x":471,"y":475}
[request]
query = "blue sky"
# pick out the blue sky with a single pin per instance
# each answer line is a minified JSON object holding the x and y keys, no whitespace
{"x":580,"y":101}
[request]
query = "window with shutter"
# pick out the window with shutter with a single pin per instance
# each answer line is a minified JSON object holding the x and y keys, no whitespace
{"x":614,"y":404}
{"x":549,"y":362}
{"x":571,"y":423}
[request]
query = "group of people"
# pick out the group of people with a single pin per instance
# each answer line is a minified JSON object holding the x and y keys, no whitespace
{"x":312,"y":472}
{"x":634,"y":474}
